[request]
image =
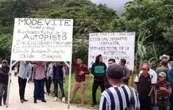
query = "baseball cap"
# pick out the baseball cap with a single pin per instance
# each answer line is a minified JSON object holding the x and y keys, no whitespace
{"x":4,"y":61}
{"x":162,"y":74}
{"x":115,"y":71}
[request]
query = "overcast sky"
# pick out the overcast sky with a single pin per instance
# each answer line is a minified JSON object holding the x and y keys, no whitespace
{"x":115,"y":4}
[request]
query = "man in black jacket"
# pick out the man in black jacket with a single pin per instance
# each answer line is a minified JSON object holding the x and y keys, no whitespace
{"x":58,"y":79}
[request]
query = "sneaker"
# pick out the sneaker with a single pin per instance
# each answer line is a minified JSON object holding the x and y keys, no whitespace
{"x":25,"y":100}
{"x":35,"y":100}
{"x":43,"y":100}
{"x":22,"y":101}
{"x":63,"y":99}
{"x":56,"y":99}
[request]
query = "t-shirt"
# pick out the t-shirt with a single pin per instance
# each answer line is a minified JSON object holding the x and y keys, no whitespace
{"x":164,"y":84}
{"x":119,"y":98}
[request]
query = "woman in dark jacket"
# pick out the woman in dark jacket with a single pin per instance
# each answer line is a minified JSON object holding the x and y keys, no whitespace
{"x":98,"y":69}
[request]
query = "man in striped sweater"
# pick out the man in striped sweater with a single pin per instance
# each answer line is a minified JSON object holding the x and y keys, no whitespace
{"x":119,"y":96}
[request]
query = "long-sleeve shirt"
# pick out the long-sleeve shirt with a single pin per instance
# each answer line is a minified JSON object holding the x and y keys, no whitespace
{"x":39,"y":71}
{"x":78,"y":69}
{"x":25,"y":70}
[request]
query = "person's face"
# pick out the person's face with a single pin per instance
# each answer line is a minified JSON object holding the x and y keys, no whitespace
{"x":161,"y":78}
{"x":145,"y":70}
{"x":110,"y":63}
{"x":101,"y":59}
{"x":4,"y":64}
{"x":79,"y":61}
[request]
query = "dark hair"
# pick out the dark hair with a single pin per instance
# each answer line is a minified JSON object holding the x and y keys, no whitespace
{"x":98,"y":58}
{"x":123,"y":61}
{"x":111,"y":59}
{"x":115,"y":71}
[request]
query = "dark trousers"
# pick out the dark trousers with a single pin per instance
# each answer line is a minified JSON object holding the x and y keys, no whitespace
{"x":48,"y":84}
{"x":145,"y":102}
{"x":164,"y":103}
{"x":96,"y":84}
{"x":22,"y":86}
{"x":4,"y":96}
{"x":60,"y":83}
{"x":39,"y":89}
{"x":171,"y":101}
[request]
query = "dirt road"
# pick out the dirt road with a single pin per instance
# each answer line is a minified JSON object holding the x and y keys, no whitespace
{"x":14,"y":103}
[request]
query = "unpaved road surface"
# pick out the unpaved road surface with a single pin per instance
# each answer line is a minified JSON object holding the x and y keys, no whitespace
{"x":14,"y":102}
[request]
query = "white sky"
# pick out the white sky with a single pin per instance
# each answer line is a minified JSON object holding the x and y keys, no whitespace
{"x":115,"y":4}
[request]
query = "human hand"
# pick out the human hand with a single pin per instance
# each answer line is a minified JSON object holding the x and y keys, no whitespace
{"x":162,"y":89}
{"x":81,"y":73}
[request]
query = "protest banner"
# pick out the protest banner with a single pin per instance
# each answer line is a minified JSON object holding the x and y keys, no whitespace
{"x":115,"y":45}
{"x":39,"y":39}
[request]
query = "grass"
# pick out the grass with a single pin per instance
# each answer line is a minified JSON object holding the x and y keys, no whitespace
{"x":88,"y":90}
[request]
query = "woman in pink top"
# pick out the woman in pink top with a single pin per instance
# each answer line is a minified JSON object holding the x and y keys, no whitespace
{"x":38,"y":78}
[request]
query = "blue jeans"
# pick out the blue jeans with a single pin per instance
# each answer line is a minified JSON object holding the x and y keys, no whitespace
{"x":39,"y":89}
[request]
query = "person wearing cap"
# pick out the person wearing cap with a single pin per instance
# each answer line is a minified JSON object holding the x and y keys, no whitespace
{"x":98,"y":70}
{"x":143,"y":83}
{"x":119,"y":96}
{"x":163,"y":67}
{"x":163,"y":92}
{"x":166,"y":59}
{"x":4,"y":77}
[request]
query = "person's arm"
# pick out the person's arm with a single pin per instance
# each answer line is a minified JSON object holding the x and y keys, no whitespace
{"x":103,"y":104}
{"x":136,"y":80}
{"x":33,"y":72}
{"x":92,"y":69}
{"x":166,"y":89}
{"x":29,"y":72}
{"x":85,"y":69}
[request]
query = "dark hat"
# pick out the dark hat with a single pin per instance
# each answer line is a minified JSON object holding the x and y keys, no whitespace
{"x":115,"y":71}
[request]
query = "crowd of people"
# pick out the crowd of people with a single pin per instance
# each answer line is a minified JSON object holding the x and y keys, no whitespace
{"x":153,"y":88}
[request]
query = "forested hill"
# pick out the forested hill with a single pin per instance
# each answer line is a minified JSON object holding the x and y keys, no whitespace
{"x":152,"y":20}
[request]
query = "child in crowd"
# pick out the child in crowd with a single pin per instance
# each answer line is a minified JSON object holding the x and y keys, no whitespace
{"x":163,"y":92}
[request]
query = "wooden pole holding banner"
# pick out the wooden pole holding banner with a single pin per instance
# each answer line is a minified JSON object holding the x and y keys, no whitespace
{"x":69,"y":83}
{"x":9,"y":82}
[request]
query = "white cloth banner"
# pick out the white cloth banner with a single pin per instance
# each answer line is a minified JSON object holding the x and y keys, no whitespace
{"x":38,"y":39}
{"x":116,"y":45}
